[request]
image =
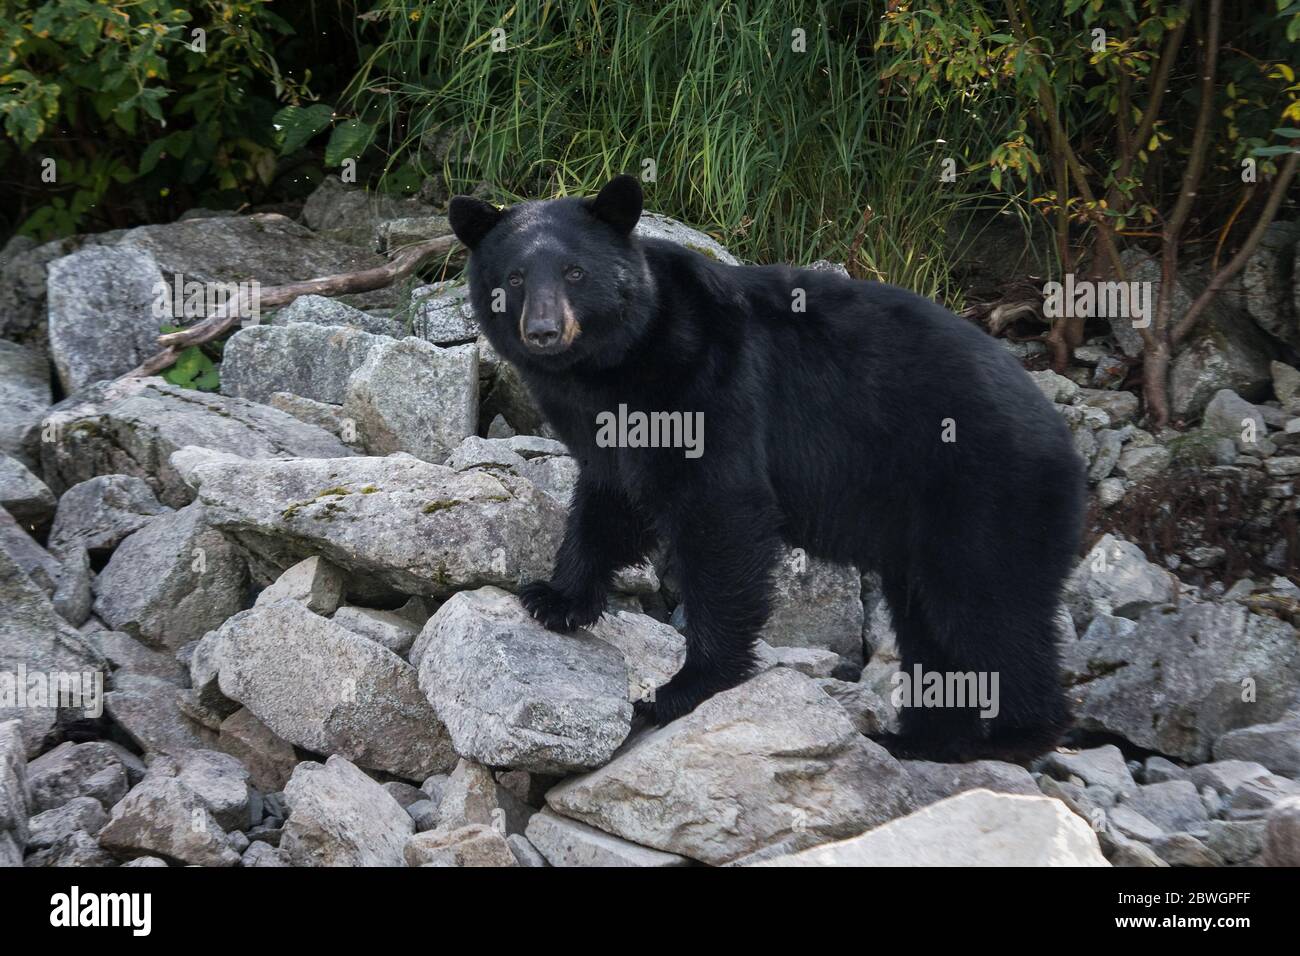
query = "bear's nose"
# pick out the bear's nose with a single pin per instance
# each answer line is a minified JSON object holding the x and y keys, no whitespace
{"x":542,"y":333}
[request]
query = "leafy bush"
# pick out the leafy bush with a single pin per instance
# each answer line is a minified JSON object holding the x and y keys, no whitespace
{"x":142,"y":108}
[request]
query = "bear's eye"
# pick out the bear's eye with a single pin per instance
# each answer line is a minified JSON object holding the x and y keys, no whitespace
{"x":515,"y":279}
{"x":574,"y":274}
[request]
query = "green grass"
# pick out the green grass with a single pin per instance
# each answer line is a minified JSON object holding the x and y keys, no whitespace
{"x":782,"y":156}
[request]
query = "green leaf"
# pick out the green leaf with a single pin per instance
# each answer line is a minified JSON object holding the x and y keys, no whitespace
{"x":348,"y":141}
{"x":294,"y":125}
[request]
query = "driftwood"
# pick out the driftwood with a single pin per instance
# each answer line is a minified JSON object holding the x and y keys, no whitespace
{"x":367,"y":280}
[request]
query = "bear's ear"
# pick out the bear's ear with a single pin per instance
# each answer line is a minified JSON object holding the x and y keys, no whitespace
{"x":471,"y":219}
{"x":619,"y":203}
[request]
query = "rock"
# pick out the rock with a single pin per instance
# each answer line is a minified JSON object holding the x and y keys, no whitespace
{"x":150,"y":861}
{"x":24,"y":495}
{"x":269,"y":759}
{"x":1184,"y":849}
{"x":322,"y":310}
{"x":976,"y":828}
{"x":24,"y":398}
{"x":386,"y":628}
{"x":415,"y":527}
{"x":77,"y":848}
{"x":1256,"y":798}
{"x":50,"y":826}
{"x":1236,"y":841}
{"x":313,"y":361}
{"x":163,"y":817}
{"x":1101,"y":766}
{"x":72,"y":599}
{"x":932,"y":782}
{"x":771,"y":764}
{"x":812,"y":661}
{"x":16,"y":803}
{"x":871,"y":712}
{"x":1055,"y":388}
{"x":352,"y":214}
{"x":35,"y":640}
{"x":410,"y":395}
{"x":514,"y":694}
{"x":1120,"y":407}
{"x":392,"y":235}
{"x":103,"y":315}
{"x":320,"y":414}
{"x":133,"y":427}
{"x":443,"y":314}
{"x":70,"y":771}
{"x":218,"y":779}
{"x":313,"y":582}
{"x":1267,"y":282}
{"x":149,"y":710}
{"x":172,"y":581}
{"x":340,"y":817}
{"x":1175,"y":684}
{"x":1275,"y":745}
{"x":425,"y":815}
{"x":1228,"y":415}
{"x":406,"y":794}
{"x":322,"y":687}
{"x":525,"y":853}
{"x":1225,"y":776}
{"x":557,"y":475}
{"x":652,"y":225}
{"x":98,"y":514}
{"x":1115,"y":578}
{"x":1140,"y":463}
{"x":1286,"y":382}
{"x":473,"y":845}
{"x":263,"y":854}
{"x":124,"y":653}
{"x":1172,"y":806}
{"x":1130,"y":853}
{"x":816,"y":604}
{"x":38,"y":564}
{"x":565,"y":842}
{"x":1130,"y":823}
{"x":1282,"y":834}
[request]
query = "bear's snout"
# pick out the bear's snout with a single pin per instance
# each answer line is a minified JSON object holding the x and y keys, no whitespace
{"x":548,"y":327}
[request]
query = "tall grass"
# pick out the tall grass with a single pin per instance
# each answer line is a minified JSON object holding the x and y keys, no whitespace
{"x":781,"y":155}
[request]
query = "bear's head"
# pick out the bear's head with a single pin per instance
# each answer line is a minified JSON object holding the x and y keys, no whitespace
{"x":558,"y":284}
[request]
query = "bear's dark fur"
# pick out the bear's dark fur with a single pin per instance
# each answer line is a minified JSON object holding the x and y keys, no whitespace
{"x":873,"y":428}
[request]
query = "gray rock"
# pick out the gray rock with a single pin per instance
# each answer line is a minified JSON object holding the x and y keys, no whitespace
{"x":313,"y":582}
{"x":125,"y":653}
{"x":416,"y":527}
{"x":263,"y":854}
{"x":424,"y":813}
{"x":150,"y":861}
{"x":219,"y":780}
{"x":24,"y":495}
{"x":475,"y":452}
{"x":1236,"y":841}
{"x":1225,"y":776}
{"x":1172,"y":806}
{"x":149,"y":710}
{"x":392,"y":235}
{"x":410,"y":395}
{"x":1184,"y":849}
{"x":16,"y":803}
{"x":1116,"y":578}
{"x":472,"y":845}
{"x":268,"y":758}
{"x":1158,"y":770}
{"x":976,"y":828}
{"x":653,"y":225}
{"x":1282,"y":834}
{"x":1228,"y":415}
{"x":565,"y":842}
{"x":163,"y":817}
{"x":322,"y":310}
{"x":132,"y":427}
{"x":37,"y":563}
{"x":1286,"y":382}
{"x":1055,"y":388}
{"x":35,"y":639}
{"x":99,"y":513}
{"x":1120,"y":407}
{"x":77,"y":848}
{"x":812,"y":661}
{"x":24,"y":399}
{"x":1140,"y":463}
{"x":1275,"y":745}
{"x":1256,"y":798}
{"x":872,"y":713}
{"x":352,"y":214}
{"x":932,"y":782}
{"x":72,"y":598}
{"x":514,"y":694}
{"x":70,"y":771}
{"x":313,"y":361}
{"x":443,"y":314}
{"x":557,"y":475}
{"x":340,"y":817}
{"x":771,"y":764}
{"x":50,"y":826}
{"x":1101,"y":766}
{"x":1267,"y":282}
{"x":1128,"y":822}
{"x":320,"y":414}
{"x":320,"y":686}
{"x":816,"y":604}
{"x":387,"y":628}
{"x":103,"y":320}
{"x":172,"y":581}
{"x":525,"y":853}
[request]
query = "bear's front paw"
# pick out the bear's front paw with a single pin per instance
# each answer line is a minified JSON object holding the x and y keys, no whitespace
{"x":555,"y":610}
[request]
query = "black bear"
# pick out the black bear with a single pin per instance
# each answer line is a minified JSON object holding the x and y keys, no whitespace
{"x":856,"y":420}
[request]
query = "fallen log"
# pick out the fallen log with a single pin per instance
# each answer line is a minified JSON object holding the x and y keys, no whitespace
{"x":367,"y":280}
